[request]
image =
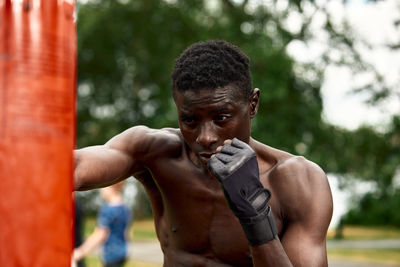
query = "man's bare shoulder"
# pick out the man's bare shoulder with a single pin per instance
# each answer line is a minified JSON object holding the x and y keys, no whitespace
{"x":297,"y":168}
{"x":301,"y":184}
{"x":146,"y":142}
{"x":294,"y":180}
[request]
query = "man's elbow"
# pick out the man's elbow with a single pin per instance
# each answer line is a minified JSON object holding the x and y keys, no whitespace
{"x":77,"y":183}
{"x":76,"y":179}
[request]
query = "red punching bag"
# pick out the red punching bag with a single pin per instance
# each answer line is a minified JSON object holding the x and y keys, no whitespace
{"x":37,"y":131}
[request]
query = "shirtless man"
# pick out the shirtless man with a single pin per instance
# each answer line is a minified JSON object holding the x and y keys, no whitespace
{"x":212,"y":206}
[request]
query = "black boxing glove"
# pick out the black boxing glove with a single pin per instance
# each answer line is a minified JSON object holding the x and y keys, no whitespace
{"x":236,"y":168}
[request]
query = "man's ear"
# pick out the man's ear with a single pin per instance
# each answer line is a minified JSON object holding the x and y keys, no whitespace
{"x":253,"y":102}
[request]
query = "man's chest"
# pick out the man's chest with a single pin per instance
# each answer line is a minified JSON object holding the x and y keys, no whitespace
{"x":205,"y":228}
{"x":196,"y":217}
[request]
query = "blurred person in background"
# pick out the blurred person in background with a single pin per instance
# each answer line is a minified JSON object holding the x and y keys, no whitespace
{"x":111,"y":231}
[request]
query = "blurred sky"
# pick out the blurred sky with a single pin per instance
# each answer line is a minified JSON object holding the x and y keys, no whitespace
{"x":374,"y":23}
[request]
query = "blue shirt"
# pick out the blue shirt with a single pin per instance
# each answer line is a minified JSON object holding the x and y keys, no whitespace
{"x":116,"y":219}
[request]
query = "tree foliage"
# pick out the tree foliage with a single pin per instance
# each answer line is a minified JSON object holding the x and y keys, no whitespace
{"x":371,"y":211}
{"x":126,"y":50}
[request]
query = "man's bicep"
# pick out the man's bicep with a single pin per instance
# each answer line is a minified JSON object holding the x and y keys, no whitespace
{"x":99,"y":166}
{"x":304,"y":239}
{"x":304,"y":247}
{"x":103,"y":165}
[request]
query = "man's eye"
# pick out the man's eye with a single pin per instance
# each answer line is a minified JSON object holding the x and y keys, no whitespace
{"x":188,"y":120}
{"x":221,"y":118}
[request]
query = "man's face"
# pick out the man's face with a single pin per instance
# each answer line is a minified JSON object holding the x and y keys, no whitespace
{"x":208,"y":117}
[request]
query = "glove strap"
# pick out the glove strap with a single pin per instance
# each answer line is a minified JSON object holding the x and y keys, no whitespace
{"x":260,"y":229}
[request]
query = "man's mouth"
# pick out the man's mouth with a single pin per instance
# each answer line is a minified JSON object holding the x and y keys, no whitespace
{"x":205,"y":157}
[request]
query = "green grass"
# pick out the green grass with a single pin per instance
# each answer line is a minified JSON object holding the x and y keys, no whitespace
{"x":143,"y":231}
{"x":89,"y":223}
{"x":139,"y":230}
{"x":364,"y":232}
{"x":388,"y":256}
{"x":94,"y":261}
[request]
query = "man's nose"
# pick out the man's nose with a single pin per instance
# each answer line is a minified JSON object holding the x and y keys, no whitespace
{"x":207,"y":135}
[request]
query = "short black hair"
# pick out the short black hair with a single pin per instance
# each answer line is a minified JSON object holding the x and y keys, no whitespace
{"x":210,"y":65}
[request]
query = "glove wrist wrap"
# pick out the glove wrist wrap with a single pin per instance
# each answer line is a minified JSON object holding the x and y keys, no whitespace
{"x":261,"y":228}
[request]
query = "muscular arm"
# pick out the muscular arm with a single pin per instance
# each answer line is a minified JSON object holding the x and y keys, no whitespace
{"x":100,"y":166}
{"x":122,"y":156}
{"x":306,"y":200}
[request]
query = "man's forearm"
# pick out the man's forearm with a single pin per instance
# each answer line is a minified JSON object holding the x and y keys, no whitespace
{"x":100,"y":166}
{"x":270,"y":254}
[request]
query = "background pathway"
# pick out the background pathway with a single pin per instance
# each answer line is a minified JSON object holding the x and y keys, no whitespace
{"x":150,"y":252}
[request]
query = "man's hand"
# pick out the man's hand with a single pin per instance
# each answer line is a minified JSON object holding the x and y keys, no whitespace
{"x":235,"y":166}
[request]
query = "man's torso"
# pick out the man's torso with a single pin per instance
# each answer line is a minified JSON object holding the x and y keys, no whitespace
{"x":193,"y":221}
